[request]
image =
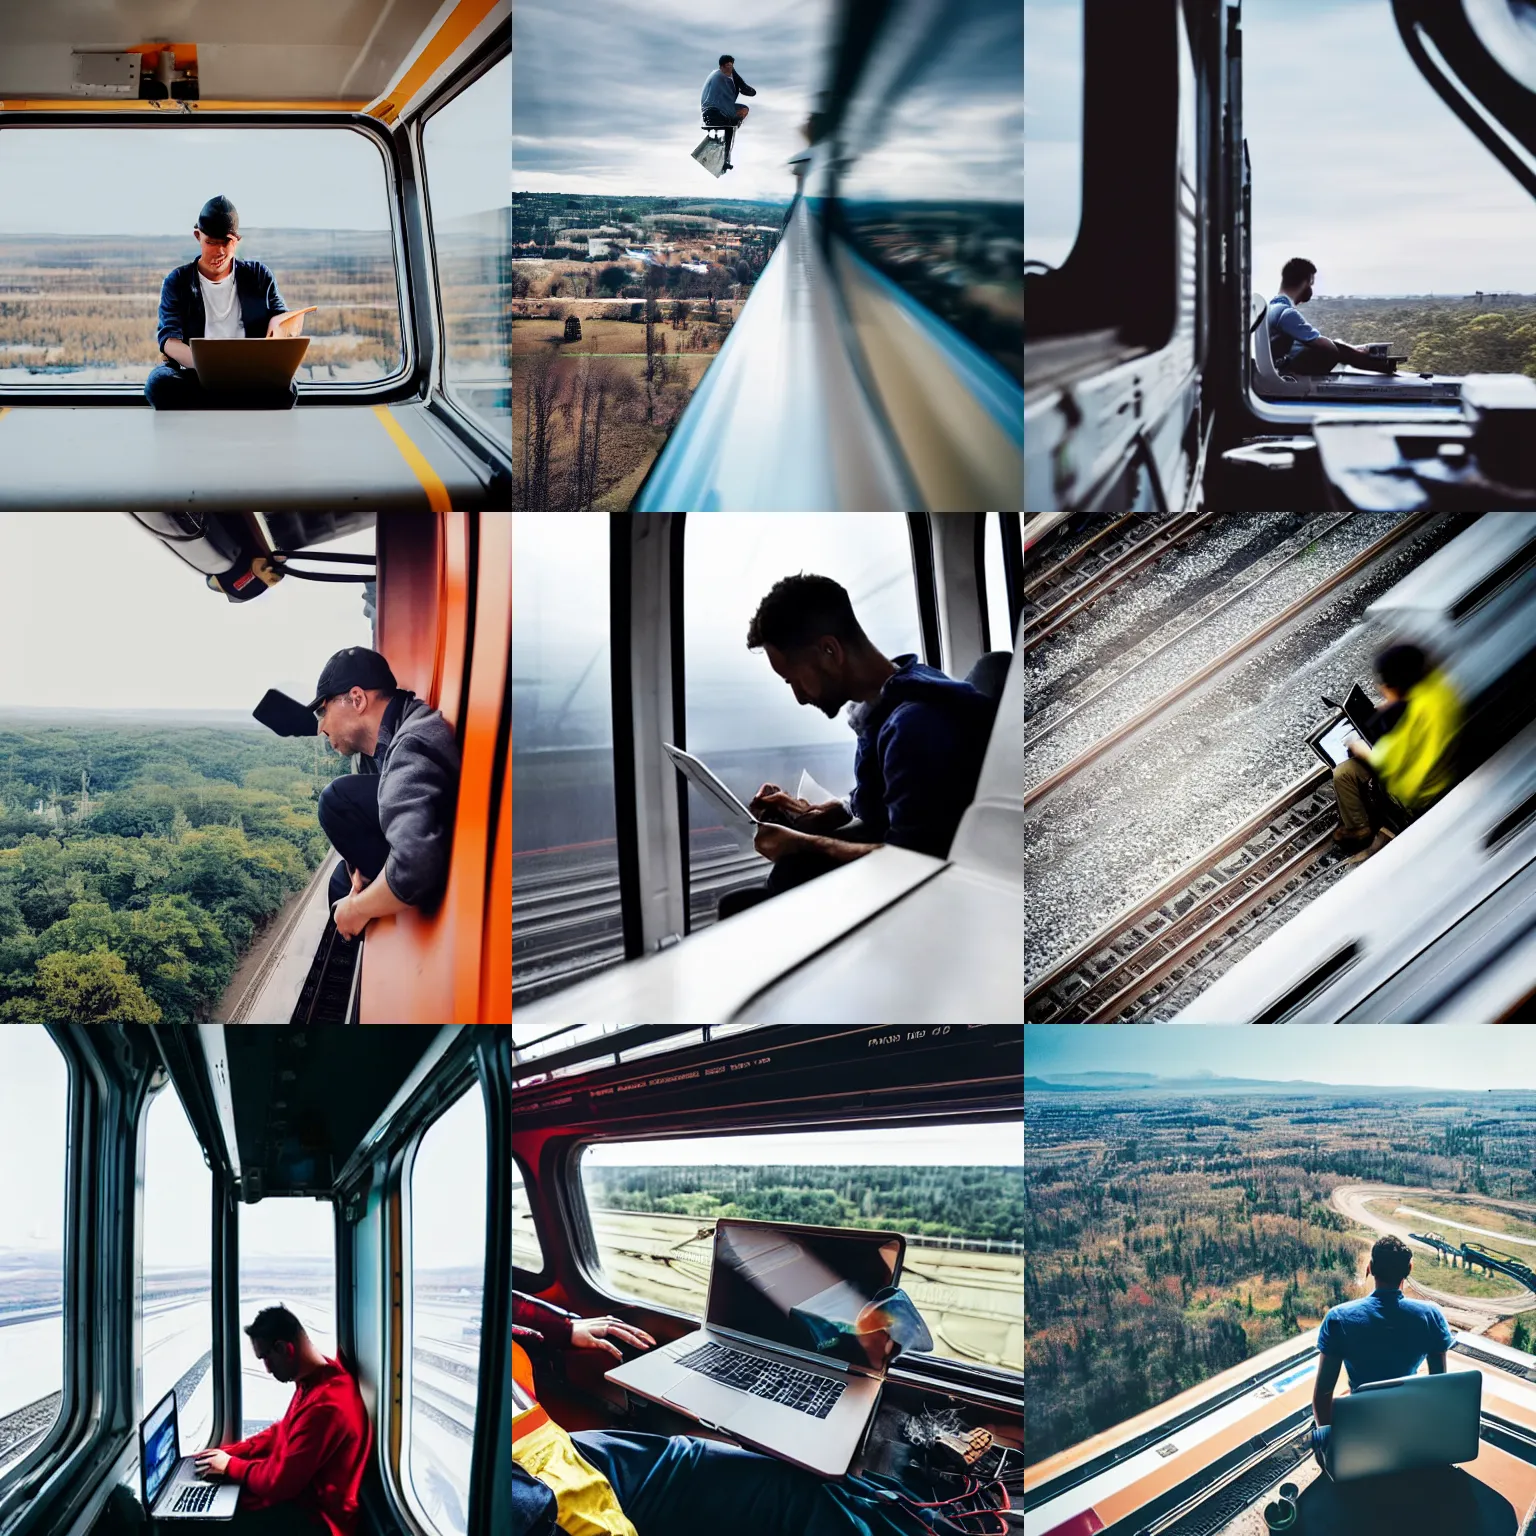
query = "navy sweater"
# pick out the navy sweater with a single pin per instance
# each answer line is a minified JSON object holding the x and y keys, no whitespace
{"x":921,"y":745}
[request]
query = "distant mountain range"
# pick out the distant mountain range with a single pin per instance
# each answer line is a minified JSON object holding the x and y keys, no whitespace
{"x":46,"y":715}
{"x":1203,"y":1082}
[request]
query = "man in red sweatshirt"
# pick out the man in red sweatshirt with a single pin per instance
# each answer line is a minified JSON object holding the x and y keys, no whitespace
{"x":301,"y":1474}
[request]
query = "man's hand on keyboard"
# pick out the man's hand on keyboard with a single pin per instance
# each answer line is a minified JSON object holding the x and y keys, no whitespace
{"x":212,"y":1464}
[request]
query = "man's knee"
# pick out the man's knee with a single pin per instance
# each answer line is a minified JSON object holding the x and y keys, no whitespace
{"x":167,"y":390}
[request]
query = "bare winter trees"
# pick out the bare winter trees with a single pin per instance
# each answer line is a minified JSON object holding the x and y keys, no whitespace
{"x":538,"y":400}
{"x":562,"y":417}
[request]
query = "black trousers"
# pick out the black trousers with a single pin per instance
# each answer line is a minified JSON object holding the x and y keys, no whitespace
{"x":784,"y":876}
{"x":349,"y":816}
{"x":180,"y":389}
{"x":279,"y":1520}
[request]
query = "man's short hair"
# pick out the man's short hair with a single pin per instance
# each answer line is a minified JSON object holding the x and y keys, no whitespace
{"x":275,"y":1325}
{"x":1390,"y":1258}
{"x":727,"y":58}
{"x":798,"y":610}
{"x":1401,"y":666}
{"x":1297,"y":270}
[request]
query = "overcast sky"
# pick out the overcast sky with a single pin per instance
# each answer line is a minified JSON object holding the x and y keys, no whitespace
{"x":34,"y":1084}
{"x":143,"y":181}
{"x":1357,"y":163}
{"x":605,"y":93}
{"x":106,"y":617}
{"x":1471,"y":1057}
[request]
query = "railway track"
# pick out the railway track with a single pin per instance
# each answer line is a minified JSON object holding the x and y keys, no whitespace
{"x":1108,"y":559}
{"x":1153,"y":948}
{"x":1203,"y":674}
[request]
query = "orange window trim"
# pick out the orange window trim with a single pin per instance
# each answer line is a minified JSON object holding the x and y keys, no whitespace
{"x":467,"y":15}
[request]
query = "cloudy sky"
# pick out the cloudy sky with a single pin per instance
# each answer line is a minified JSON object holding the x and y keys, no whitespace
{"x":1357,"y":163}
{"x":109,"y":618}
{"x":1468,"y":1057}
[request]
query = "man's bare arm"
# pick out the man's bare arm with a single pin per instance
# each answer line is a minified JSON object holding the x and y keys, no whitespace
{"x":1328,"y":1367}
{"x":179,"y":352}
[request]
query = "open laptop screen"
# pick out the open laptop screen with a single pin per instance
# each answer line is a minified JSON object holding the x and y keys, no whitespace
{"x":798,"y":1287}
{"x":157,"y":1447}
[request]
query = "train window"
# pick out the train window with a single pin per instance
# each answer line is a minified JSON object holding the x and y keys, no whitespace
{"x":941,"y":213}
{"x":1053,"y":128}
{"x":467,"y":146}
{"x":92,"y":220}
{"x":742,"y":719}
{"x":176,"y":1275}
{"x":1430,"y":253}
{"x":287,"y":1258}
{"x":994,"y":570}
{"x":447,"y":1290}
{"x":955,"y":1191}
{"x":34,"y":1143}
{"x":527,"y":1253}
{"x":565,"y":862}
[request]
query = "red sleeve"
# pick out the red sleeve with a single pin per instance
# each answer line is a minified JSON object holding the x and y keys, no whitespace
{"x":542,"y":1318}
{"x":259,"y":1444}
{"x":311,"y":1441}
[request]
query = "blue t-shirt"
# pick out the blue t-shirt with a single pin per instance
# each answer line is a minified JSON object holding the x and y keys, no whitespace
{"x":1289,"y":330}
{"x":1383,"y":1335}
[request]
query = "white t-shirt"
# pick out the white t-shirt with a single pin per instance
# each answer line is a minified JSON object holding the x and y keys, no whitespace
{"x":221,"y":305}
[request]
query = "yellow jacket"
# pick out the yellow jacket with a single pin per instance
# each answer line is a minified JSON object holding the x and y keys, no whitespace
{"x":1414,"y":760}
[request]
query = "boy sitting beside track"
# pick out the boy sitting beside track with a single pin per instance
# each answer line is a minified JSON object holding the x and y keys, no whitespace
{"x":1414,"y":762}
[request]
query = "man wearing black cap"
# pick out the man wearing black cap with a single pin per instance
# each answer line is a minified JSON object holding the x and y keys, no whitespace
{"x":221,"y":298}
{"x":391,"y":818}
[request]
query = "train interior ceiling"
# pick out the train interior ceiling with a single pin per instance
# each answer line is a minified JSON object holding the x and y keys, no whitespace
{"x":429,"y":428}
{"x":281,"y":1145}
{"x":858,"y":944}
{"x":587,"y":1091}
{"x":438,"y":591}
{"x":1160,"y":392}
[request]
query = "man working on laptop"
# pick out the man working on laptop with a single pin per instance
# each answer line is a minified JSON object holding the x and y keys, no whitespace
{"x":221,"y":298}
{"x":621,"y":1483}
{"x":300,"y":1475}
{"x":1376,"y":1338}
{"x":391,"y":818}
{"x":922,"y":737}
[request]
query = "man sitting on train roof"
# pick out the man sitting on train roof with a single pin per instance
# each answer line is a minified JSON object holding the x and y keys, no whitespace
{"x":391,"y":818}
{"x":622,"y":1483}
{"x":301,"y":1475}
{"x":922,"y":736}
{"x":220,"y":298}
{"x":1296,"y":345}
{"x":1376,"y":1338}
{"x":1414,"y":762}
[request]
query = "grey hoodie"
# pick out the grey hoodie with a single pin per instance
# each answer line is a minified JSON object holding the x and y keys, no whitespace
{"x":417,"y":761}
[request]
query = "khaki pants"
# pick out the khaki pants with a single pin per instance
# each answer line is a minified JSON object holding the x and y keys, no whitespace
{"x":1352,"y":786}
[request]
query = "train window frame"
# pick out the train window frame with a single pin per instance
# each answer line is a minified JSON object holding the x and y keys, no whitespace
{"x":446,"y":1094}
{"x":1011,"y":540}
{"x":538,"y":1277}
{"x":938,"y":1372}
{"x":16,"y":1483}
{"x":403,"y":384}
{"x":494,"y":51}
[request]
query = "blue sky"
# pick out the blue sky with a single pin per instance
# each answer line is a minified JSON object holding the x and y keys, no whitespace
{"x":149,"y":181}
{"x":1357,"y":163}
{"x":1472,"y":1057}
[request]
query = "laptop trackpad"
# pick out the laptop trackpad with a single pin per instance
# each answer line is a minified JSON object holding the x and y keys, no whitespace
{"x":703,"y":1397}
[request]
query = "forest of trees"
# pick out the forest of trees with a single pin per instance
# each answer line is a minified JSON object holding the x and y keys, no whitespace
{"x":138,"y":862}
{"x":978,"y":1203}
{"x":1166,"y":1242}
{"x":1488,"y":333}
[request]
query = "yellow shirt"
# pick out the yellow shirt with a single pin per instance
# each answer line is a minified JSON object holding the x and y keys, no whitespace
{"x":1414,"y":760}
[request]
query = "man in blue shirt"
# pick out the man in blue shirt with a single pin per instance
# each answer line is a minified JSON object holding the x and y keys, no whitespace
{"x":1376,"y":1338}
{"x":922,"y":737}
{"x":719,"y":102}
{"x":1296,"y":345}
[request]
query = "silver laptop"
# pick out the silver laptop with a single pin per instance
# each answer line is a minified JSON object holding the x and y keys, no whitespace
{"x":1409,"y":1421}
{"x":169,"y":1481}
{"x":754,"y":1370}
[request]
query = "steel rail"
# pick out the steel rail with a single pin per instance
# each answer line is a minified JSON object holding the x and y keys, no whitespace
{"x":1062,"y":566}
{"x":1219,"y":663}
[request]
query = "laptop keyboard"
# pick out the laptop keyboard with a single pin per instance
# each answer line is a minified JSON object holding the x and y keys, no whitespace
{"x":804,"y":1391}
{"x":194,"y":1500}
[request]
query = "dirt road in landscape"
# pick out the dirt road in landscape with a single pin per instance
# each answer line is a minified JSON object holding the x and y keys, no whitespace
{"x":1474,"y":1314}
